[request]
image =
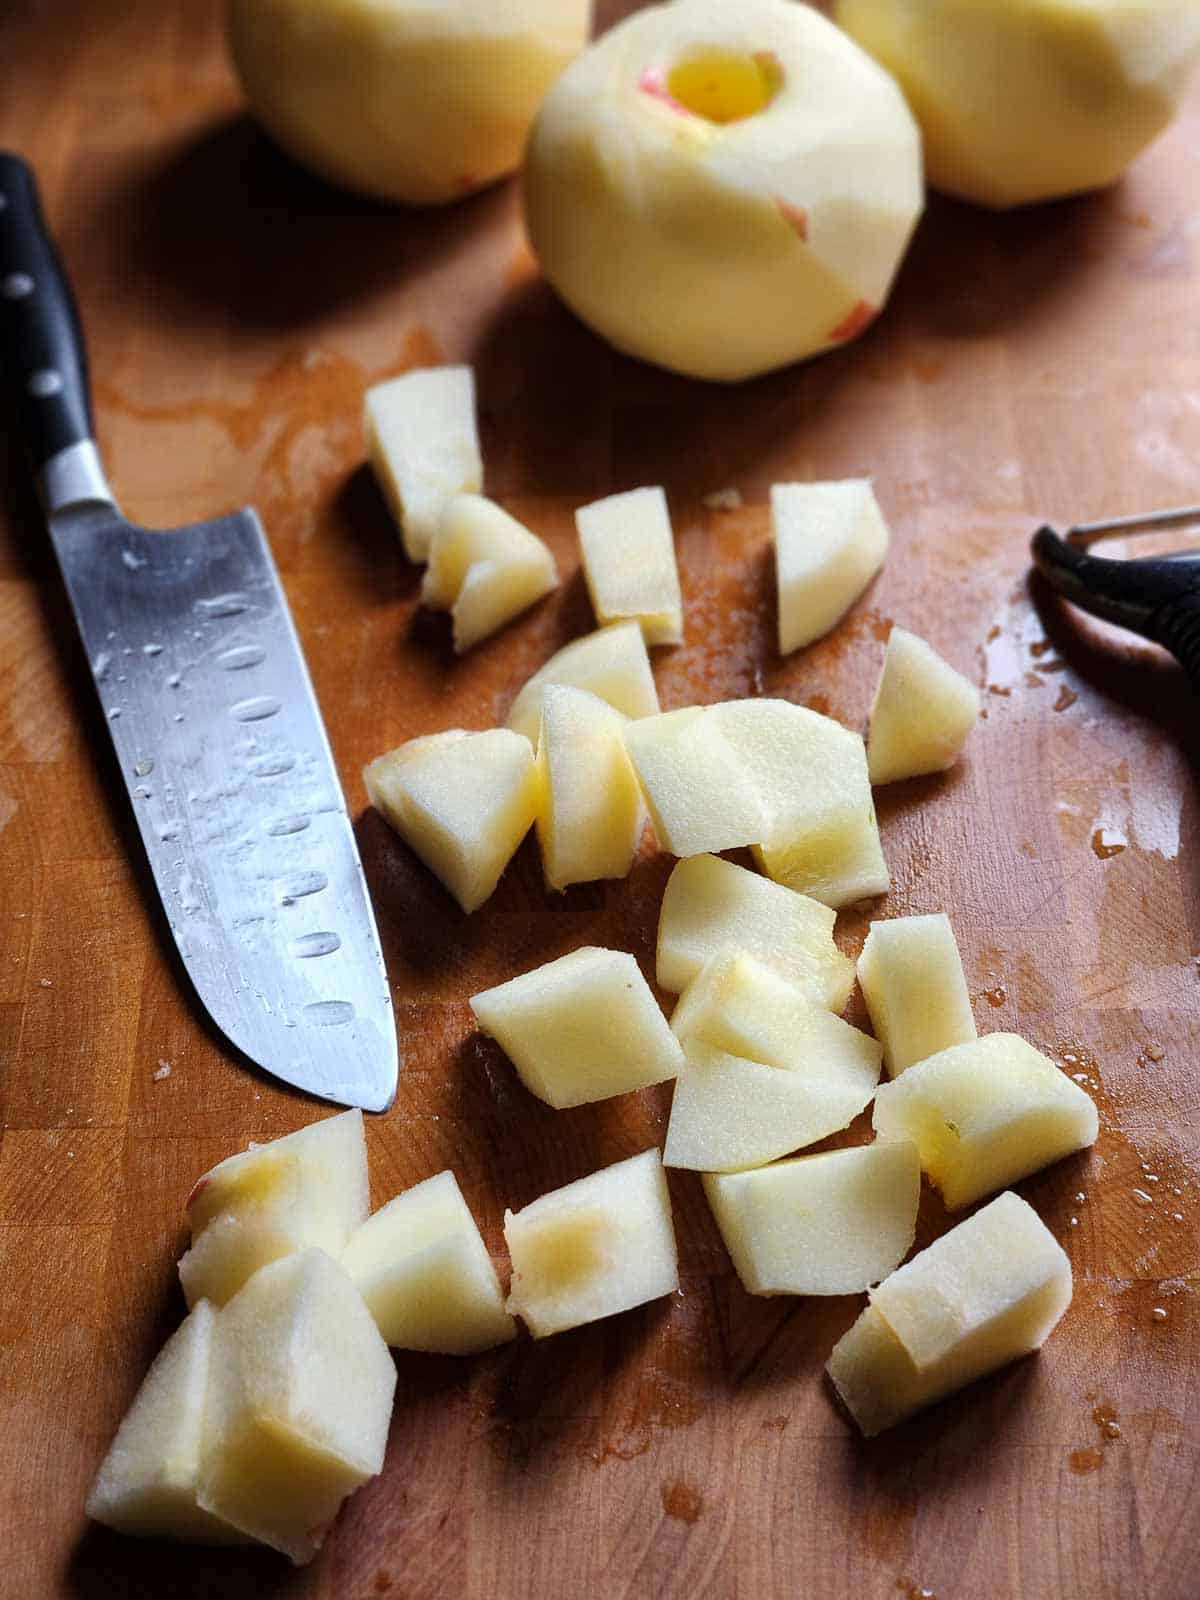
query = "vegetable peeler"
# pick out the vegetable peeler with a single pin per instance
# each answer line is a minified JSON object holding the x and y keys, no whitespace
{"x":1155,"y":596}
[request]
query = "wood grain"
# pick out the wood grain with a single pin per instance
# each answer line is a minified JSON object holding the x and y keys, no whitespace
{"x":1041,"y":365}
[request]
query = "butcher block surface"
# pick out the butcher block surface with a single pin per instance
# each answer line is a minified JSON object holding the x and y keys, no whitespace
{"x":1037,"y":366}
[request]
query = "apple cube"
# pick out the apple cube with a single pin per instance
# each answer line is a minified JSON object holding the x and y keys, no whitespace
{"x":612,"y":663}
{"x":767,"y":1070}
{"x":591,"y":815}
{"x":737,"y":1003}
{"x":819,"y":833}
{"x":987,"y":1292}
{"x":462,"y":802}
{"x":146,"y":1484}
{"x":424,"y":447}
{"x":830,"y":541}
{"x":300,"y":1398}
{"x":711,"y":905}
{"x":423,"y":1269}
{"x":593,"y":1248}
{"x":985,"y":1114}
{"x":308,"y":1188}
{"x":582,"y":1028}
{"x":629,"y":563}
{"x":912,"y":980}
{"x":700,"y":793}
{"x":765,"y":773}
{"x":839,"y":871}
{"x":922,"y":713}
{"x":485,"y":568}
{"x":833,"y":1223}
{"x":729,"y":1113}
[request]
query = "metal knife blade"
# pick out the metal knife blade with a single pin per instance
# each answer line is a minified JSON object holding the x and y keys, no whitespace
{"x":213,"y":719}
{"x":235,"y":793}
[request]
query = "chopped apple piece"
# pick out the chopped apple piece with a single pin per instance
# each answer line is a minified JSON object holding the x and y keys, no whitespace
{"x":629,"y":563}
{"x":582,"y":1028}
{"x":833,"y":1223}
{"x":837,"y":871}
{"x":462,"y":801}
{"x":300,"y":1397}
{"x":308,"y":1188}
{"x":985,"y":1114}
{"x":912,"y":980}
{"x":922,"y":714}
{"x":612,"y":663}
{"x":596,"y":1247}
{"x":424,"y":447}
{"x":990,"y":1290}
{"x":784,"y":780}
{"x":591,"y":815}
{"x":700,"y":794}
{"x":830,"y":541}
{"x":711,"y":905}
{"x":820,"y":835}
{"x":729,"y":1113}
{"x":423,"y":1269}
{"x":485,"y":568}
{"x":146,"y":1484}
{"x":767,"y":1070}
{"x":737,"y":1003}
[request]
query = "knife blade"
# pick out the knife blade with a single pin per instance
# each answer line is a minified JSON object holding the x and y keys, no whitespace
{"x":213,"y":721}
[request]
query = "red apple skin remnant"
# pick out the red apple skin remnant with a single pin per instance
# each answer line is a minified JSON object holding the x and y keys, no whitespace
{"x":653,"y":82}
{"x":861,"y":317}
{"x":797,"y":219}
{"x":198,"y":1189}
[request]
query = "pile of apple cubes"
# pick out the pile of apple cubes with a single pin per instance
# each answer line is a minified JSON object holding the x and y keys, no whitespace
{"x":271,"y":1402}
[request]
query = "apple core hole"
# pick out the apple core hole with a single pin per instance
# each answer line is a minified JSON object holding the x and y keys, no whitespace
{"x":723,"y":86}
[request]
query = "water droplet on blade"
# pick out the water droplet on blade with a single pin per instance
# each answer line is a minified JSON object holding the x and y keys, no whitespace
{"x":241,"y":656}
{"x":282,"y":826}
{"x":303,"y":883}
{"x":257,"y":709}
{"x":222,"y":605}
{"x":308,"y":945}
{"x":271,"y":766}
{"x":328,"y":1013}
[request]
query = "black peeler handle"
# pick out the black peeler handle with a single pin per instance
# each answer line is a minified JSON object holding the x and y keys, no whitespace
{"x":1179,"y":631}
{"x":1157,"y":597}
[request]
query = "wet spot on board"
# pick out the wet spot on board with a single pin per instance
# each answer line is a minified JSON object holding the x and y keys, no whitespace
{"x":682,"y":1501}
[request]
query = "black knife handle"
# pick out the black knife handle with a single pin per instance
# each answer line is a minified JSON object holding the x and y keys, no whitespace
{"x":42,"y":352}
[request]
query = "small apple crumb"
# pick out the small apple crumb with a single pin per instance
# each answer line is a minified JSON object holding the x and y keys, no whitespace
{"x":162,"y":1071}
{"x":723,"y":500}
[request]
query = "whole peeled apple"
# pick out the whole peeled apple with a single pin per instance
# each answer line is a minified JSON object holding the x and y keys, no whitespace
{"x":723,"y":188}
{"x":420,"y":101}
{"x":1025,"y":100}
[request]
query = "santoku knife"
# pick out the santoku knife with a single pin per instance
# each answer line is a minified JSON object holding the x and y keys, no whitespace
{"x":216,"y":729}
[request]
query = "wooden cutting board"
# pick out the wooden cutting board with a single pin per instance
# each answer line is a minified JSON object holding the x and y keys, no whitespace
{"x":1038,"y":366}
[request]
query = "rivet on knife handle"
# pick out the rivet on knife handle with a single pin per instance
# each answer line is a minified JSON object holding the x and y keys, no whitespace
{"x":41,"y":347}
